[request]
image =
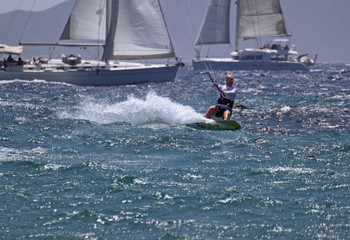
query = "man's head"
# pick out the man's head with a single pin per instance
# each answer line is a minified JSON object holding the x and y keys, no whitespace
{"x":229,"y":80}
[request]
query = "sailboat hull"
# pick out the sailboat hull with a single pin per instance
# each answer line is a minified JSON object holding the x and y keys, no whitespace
{"x":101,"y":77}
{"x":229,"y":64}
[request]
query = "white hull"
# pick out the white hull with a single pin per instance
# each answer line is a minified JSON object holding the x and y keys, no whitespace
{"x":101,"y":77}
{"x":229,"y":64}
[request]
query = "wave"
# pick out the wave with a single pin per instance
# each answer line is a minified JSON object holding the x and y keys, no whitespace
{"x":34,"y":81}
{"x":290,"y":170}
{"x":136,"y":111}
{"x":14,"y":154}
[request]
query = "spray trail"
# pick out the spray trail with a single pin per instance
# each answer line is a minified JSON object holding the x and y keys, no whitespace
{"x":152,"y":109}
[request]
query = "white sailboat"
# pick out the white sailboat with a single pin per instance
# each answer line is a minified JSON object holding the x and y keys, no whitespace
{"x":255,"y":19}
{"x":126,"y":29}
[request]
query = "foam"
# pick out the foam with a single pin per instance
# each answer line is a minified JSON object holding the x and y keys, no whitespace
{"x":33,"y":81}
{"x":137,"y":111}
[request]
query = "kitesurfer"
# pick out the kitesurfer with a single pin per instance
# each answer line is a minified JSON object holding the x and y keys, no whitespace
{"x":224,"y":104}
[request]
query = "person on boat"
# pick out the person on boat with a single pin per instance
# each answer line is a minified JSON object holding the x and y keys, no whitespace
{"x":20,"y":61}
{"x":10,"y":59}
{"x":224,"y":104}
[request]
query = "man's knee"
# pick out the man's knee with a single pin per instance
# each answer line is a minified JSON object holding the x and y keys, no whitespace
{"x":211,"y":111}
{"x":227,"y":115}
{"x":213,"y":107}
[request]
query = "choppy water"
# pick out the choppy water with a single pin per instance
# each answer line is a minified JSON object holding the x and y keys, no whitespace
{"x":117,"y":162}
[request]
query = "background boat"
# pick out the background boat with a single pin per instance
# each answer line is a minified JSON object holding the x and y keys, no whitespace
{"x":127,"y":30}
{"x":255,"y":20}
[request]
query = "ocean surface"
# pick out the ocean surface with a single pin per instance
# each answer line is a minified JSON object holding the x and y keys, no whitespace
{"x":118,"y":162}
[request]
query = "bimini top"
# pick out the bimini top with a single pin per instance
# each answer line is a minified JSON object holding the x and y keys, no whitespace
{"x":11,"y":50}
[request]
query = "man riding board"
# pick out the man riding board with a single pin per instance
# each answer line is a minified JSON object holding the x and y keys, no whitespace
{"x":224,"y":104}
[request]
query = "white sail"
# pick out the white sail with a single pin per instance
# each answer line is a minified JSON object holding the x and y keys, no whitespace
{"x":259,"y":18}
{"x":215,"y":27}
{"x":87,"y":21}
{"x":137,"y":31}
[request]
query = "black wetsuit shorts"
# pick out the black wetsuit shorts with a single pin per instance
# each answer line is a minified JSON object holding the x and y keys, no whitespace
{"x":221,"y":108}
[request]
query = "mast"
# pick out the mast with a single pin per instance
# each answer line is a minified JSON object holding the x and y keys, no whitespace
{"x":237,"y":26}
{"x":112,"y":11}
{"x":108,"y":16}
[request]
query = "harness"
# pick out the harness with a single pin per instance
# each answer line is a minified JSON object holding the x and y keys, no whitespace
{"x":224,"y":101}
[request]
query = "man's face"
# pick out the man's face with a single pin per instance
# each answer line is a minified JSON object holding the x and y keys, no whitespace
{"x":229,"y":80}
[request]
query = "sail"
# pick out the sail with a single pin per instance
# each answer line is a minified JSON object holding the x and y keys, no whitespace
{"x":259,"y":18}
{"x":87,"y":21}
{"x":215,"y":27}
{"x":137,"y":31}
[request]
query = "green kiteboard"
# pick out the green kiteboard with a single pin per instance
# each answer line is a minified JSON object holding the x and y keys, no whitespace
{"x":218,"y":125}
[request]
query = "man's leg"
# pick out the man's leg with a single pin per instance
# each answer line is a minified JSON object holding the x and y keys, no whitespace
{"x":211,"y":111}
{"x":226,"y":115}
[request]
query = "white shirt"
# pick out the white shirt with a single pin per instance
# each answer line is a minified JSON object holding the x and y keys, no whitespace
{"x":230,"y":92}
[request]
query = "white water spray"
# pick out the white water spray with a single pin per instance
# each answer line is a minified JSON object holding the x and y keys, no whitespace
{"x":136,"y":111}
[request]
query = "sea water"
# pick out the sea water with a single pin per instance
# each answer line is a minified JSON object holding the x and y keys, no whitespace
{"x":118,"y":162}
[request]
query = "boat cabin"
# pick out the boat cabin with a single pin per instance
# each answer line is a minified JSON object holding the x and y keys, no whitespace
{"x":276,"y":50}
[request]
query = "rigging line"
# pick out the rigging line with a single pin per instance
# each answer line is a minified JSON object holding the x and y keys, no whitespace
{"x":11,"y":21}
{"x":92,"y":53}
{"x":207,"y":65}
{"x":192,"y":15}
{"x":25,"y":25}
